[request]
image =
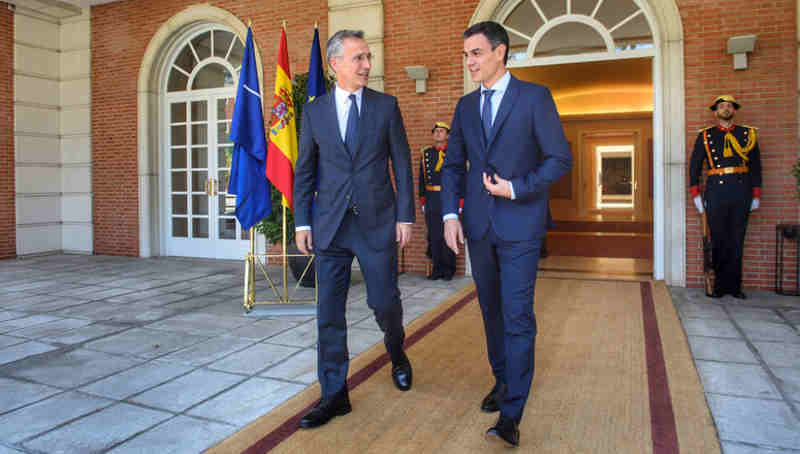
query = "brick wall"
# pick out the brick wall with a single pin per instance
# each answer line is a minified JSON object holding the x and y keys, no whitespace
{"x":425,"y":33}
{"x":120,"y":34}
{"x":766,"y":91}
{"x":8,"y":228}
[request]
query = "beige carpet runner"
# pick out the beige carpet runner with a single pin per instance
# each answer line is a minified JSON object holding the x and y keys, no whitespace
{"x":613,"y":375}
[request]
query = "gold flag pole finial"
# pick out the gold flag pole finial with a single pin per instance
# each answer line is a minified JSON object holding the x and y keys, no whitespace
{"x":249,"y":23}
{"x":284,"y":25}
{"x":316,"y":25}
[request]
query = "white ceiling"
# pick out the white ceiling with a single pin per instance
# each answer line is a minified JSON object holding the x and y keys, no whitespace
{"x":59,"y":9}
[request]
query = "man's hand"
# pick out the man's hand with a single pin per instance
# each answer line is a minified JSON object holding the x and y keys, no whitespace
{"x":403,"y":234}
{"x":302,"y":239}
{"x":698,"y":203}
{"x":755,"y":204}
{"x":453,"y":235}
{"x":501,"y":188}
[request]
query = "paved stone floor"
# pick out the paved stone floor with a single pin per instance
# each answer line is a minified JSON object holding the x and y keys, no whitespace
{"x":122,"y":355}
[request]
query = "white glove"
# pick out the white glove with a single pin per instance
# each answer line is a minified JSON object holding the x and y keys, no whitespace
{"x":460,"y":210}
{"x":423,"y":208}
{"x":698,"y":202}
{"x":754,"y":205}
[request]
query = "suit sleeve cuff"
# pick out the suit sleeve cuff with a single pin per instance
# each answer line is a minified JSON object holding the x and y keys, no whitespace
{"x":756,"y":193}
{"x":302,"y":227}
{"x":694,"y":191}
{"x":511,"y":187}
{"x":449,"y":216}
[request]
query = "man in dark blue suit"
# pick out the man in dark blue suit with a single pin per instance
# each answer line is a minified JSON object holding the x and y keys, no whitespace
{"x":348,"y":138}
{"x":510,"y":134}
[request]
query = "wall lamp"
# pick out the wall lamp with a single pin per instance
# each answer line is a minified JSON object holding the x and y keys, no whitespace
{"x":739,"y":46}
{"x":419,"y":74}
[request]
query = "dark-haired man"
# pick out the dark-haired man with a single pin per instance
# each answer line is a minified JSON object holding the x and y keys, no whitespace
{"x":733,"y":190}
{"x":348,"y":139}
{"x":510,"y":134}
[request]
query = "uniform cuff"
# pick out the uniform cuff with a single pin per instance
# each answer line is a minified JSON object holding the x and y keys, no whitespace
{"x":756,"y":193}
{"x":461,"y":204}
{"x":694,"y":191}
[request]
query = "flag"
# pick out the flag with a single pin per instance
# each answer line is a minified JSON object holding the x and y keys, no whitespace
{"x":247,"y":179}
{"x":282,"y":154}
{"x":316,"y":80}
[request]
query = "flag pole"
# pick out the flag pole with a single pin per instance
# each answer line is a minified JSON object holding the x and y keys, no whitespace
{"x":285,"y":264}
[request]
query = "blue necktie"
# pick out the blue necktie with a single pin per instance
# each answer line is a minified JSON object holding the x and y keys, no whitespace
{"x":486,"y":114}
{"x":351,"y":133}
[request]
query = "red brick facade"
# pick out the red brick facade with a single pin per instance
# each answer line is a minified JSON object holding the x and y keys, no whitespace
{"x":767,"y":91}
{"x":431,"y":36}
{"x":8,"y":227}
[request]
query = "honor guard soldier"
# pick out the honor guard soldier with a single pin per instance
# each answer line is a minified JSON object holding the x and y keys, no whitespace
{"x":733,"y":189}
{"x":430,"y":187}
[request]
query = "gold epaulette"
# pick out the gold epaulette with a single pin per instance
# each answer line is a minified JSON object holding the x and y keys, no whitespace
{"x":703,"y":129}
{"x":748,"y":127}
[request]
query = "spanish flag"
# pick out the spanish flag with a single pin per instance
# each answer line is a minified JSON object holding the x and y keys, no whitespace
{"x":282,"y":154}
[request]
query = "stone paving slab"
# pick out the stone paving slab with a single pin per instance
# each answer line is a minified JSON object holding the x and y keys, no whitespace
{"x":136,"y":380}
{"x":23,"y":350}
{"x":300,"y":367}
{"x":247,"y":401}
{"x":769,"y":423}
{"x":42,"y":416}
{"x":145,"y":343}
{"x":60,"y":369}
{"x":188,"y":390}
{"x":15,"y":393}
{"x":99,"y":431}
{"x":253,"y":359}
{"x":744,"y":380}
{"x":180,"y":435}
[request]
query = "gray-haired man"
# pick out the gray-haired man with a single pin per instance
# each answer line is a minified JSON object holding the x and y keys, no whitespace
{"x":349,"y":137}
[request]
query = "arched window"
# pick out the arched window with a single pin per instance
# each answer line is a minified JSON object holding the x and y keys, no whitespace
{"x":212,"y":59}
{"x":563,"y":31}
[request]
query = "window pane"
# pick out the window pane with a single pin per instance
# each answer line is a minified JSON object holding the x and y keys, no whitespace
{"x":200,"y":204}
{"x":213,"y":75}
{"x":227,"y":204}
{"x":178,"y":181}
{"x":178,"y":112}
{"x":185,"y":60}
{"x":199,"y":111}
{"x":235,"y":58}
{"x":225,"y":157}
{"x":202,"y":45}
{"x":178,"y":135}
{"x":223,"y":179}
{"x":227,"y":229}
{"x":177,"y":81}
{"x":612,"y":13}
{"x":200,"y":227}
{"x":552,"y":8}
{"x":225,"y":108}
{"x":180,"y":227}
{"x":200,"y":158}
{"x":222,"y":41}
{"x":199,"y":180}
{"x":199,"y":134}
{"x":224,"y":132}
{"x":245,"y":234}
{"x":179,"y":158}
{"x":570,"y":39}
{"x":179,"y":204}
{"x":633,"y":35}
{"x":585,"y":7}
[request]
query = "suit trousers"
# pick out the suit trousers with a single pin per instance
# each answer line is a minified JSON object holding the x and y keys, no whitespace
{"x":728,"y":206}
{"x":443,"y":258}
{"x":505,"y":277}
{"x":333,"y":266}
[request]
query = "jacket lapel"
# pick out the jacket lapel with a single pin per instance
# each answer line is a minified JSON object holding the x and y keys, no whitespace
{"x":364,"y":118}
{"x":506,"y":106}
{"x":333,"y":119}
{"x":473,"y":117}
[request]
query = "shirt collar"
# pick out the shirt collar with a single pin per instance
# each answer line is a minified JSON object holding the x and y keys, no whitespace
{"x":343,"y":96}
{"x":501,"y":85}
{"x":724,"y":129}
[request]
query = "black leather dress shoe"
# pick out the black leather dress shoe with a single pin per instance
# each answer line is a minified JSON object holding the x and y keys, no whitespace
{"x":326,"y":409}
{"x":505,"y":432}
{"x":715,"y":294}
{"x":402,"y":376}
{"x":447,"y":277}
{"x":434,"y":276}
{"x":740,"y":295}
{"x":491,"y":403}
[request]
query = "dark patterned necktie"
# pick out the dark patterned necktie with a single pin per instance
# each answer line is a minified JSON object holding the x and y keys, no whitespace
{"x":486,"y":114}
{"x":351,"y":133}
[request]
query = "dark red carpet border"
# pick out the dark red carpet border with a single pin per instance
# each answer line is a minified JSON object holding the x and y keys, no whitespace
{"x":289,"y":426}
{"x":662,"y":418}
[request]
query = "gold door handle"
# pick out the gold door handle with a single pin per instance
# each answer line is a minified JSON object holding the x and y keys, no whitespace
{"x":207,"y":189}
{"x":215,"y":186}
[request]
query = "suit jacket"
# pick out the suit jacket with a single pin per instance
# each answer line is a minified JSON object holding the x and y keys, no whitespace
{"x":361,"y":179}
{"x":526,"y":146}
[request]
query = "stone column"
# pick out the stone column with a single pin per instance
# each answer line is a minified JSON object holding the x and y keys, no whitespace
{"x":366,"y":16}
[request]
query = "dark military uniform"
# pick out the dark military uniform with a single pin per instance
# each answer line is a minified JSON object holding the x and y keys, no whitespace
{"x":430,"y":187}
{"x":734,"y":179}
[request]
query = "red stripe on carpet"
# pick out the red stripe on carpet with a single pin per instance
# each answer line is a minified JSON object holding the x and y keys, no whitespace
{"x":289,"y":426}
{"x":662,"y":417}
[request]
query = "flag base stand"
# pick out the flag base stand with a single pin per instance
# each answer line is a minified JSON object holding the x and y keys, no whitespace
{"x":283,"y":297}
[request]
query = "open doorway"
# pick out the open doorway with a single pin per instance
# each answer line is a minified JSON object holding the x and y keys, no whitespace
{"x":602,"y":209}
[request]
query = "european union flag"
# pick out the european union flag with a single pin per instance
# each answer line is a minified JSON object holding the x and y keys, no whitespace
{"x":316,"y":80}
{"x":248,"y":178}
